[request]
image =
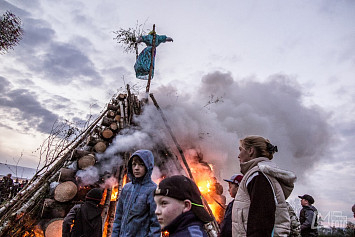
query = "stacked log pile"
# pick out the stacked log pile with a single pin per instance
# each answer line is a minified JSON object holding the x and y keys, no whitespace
{"x":39,"y":209}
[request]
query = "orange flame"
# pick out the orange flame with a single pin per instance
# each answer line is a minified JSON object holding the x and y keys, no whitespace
{"x":208,"y":185}
{"x":36,"y":231}
{"x":114,"y":193}
{"x":125,"y":179}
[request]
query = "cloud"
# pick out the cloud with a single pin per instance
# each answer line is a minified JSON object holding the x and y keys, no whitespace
{"x":58,"y":62}
{"x":23,"y":105}
{"x":37,"y":33}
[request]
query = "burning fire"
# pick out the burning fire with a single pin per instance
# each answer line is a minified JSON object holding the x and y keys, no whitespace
{"x":114,"y":193}
{"x":208,"y":185}
{"x":125,"y":179}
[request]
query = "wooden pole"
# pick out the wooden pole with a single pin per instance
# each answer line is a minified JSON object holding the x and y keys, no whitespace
{"x":136,"y":48}
{"x":172,"y":136}
{"x":151,"y":61}
{"x":183,"y":158}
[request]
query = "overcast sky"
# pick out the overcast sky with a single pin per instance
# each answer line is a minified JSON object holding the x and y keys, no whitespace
{"x":281,"y":69}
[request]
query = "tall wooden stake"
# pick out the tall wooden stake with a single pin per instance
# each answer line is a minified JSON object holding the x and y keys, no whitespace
{"x":172,"y":136}
{"x":215,"y":224}
{"x":151,"y":62}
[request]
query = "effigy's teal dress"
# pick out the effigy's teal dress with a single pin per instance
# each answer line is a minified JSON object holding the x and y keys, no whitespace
{"x":142,"y":64}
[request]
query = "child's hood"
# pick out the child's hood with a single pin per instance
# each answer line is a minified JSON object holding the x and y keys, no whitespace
{"x":148,"y":159}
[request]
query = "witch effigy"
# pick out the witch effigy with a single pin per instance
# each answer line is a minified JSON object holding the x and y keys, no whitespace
{"x":147,"y":57}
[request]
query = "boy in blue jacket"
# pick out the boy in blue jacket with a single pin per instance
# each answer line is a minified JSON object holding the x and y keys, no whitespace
{"x":180,"y":210}
{"x":135,"y":211}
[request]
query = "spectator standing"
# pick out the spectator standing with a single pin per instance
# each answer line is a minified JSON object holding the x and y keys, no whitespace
{"x":8,"y":186}
{"x":85,"y":218}
{"x":295,"y":223}
{"x":226,"y":224}
{"x":16,"y":187}
{"x":2,"y":190}
{"x":135,"y":211}
{"x":308,"y":216}
{"x":260,"y":207}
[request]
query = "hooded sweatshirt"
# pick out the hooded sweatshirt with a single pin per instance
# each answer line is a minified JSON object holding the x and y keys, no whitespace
{"x":308,"y":219}
{"x":86,"y":218}
{"x":135,"y":211}
{"x":266,"y":184}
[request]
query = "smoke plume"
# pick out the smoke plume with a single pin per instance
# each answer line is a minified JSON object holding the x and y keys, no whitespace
{"x":223,"y":110}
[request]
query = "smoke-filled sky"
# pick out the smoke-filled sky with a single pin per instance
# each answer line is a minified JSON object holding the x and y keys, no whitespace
{"x":280,"y":69}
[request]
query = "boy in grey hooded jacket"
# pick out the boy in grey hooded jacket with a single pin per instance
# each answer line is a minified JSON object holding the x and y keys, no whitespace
{"x":135,"y":211}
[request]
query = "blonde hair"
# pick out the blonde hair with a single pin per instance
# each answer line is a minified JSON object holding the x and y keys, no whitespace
{"x":262,"y":146}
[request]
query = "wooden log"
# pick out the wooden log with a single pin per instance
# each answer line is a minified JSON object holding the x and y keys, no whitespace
{"x":117,"y":117}
{"x":114,"y":101}
{"x":100,"y":147}
{"x":107,"y":121}
{"x":82,"y":191}
{"x":91,"y":141}
{"x":65,"y":191}
{"x":49,"y":203}
{"x":114,"y":127}
{"x":53,"y":209}
{"x":97,"y":130}
{"x":107,"y":133}
{"x":86,"y":161}
{"x":113,"y":107}
{"x":80,"y":153}
{"x":54,"y":228}
{"x":67,"y":175}
{"x":111,"y":114}
{"x":121,"y":96}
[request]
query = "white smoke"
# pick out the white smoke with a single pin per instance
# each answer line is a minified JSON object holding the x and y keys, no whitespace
{"x":223,"y":110}
{"x":88,"y":176}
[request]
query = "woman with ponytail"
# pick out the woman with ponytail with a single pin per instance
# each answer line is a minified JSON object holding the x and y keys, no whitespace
{"x":260,"y":207}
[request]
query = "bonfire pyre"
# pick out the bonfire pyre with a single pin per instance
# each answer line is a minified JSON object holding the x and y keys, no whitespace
{"x":39,"y":209}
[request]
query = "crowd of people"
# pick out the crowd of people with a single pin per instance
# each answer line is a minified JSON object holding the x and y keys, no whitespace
{"x":9,"y":188}
{"x":175,"y":205}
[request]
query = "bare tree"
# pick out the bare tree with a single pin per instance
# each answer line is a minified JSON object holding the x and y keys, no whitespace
{"x":11,"y":31}
{"x":62,"y":134}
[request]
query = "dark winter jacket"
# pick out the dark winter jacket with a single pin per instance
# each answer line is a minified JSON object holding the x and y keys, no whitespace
{"x":308,"y":220}
{"x":87,"y":221}
{"x":226,"y":224}
{"x":135,"y":212}
{"x":186,"y":225}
